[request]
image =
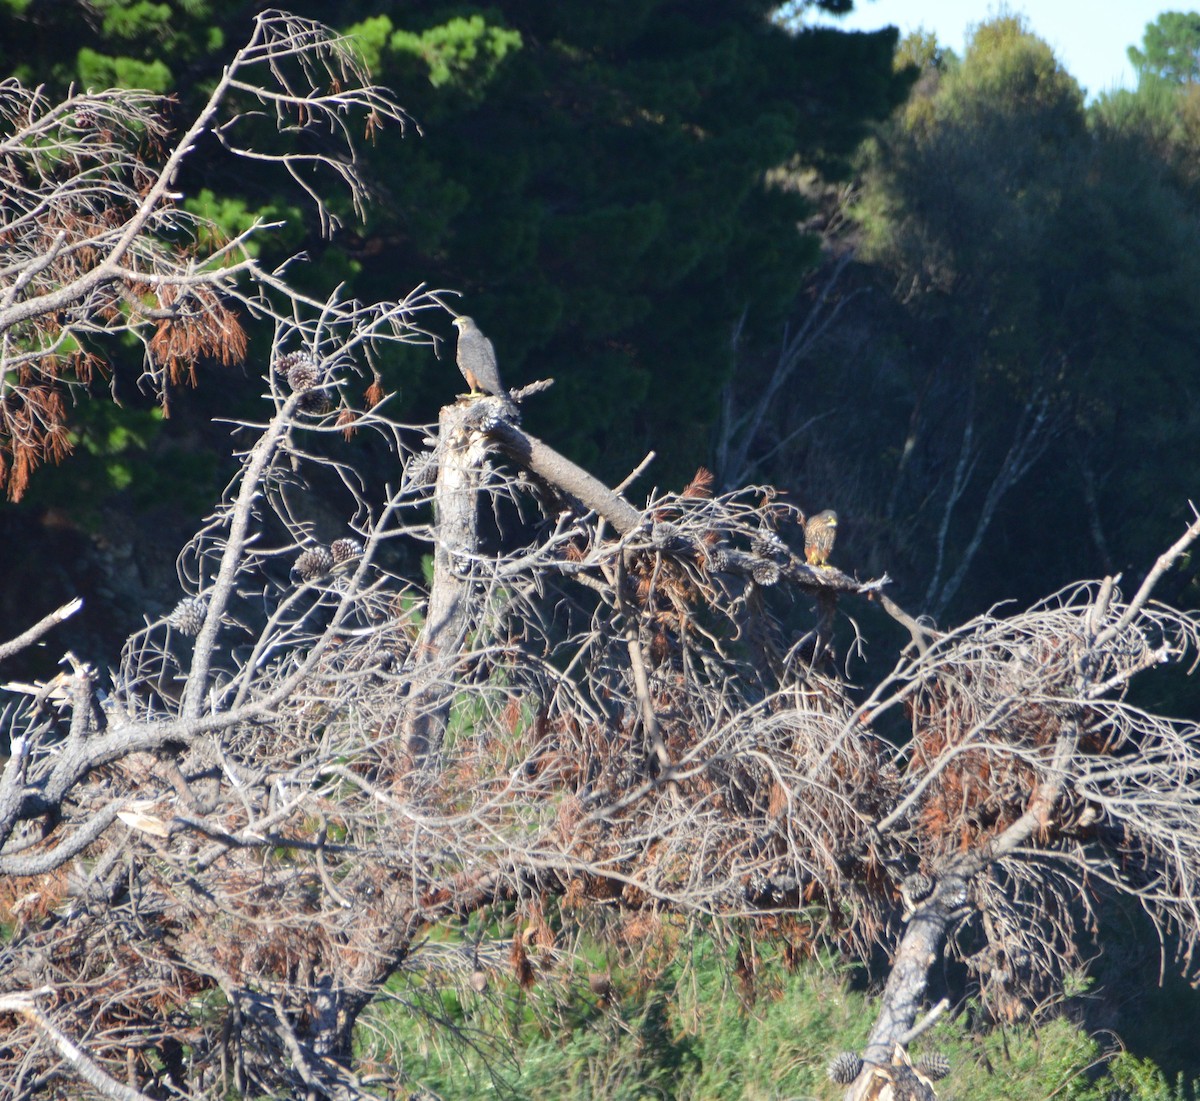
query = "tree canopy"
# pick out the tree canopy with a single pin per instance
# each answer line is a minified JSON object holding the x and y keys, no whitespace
{"x":1170,"y":49}
{"x":1039,"y":274}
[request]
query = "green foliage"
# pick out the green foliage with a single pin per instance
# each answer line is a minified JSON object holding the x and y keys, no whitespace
{"x":131,"y":19}
{"x":921,"y":50}
{"x":1148,"y":113}
{"x":1162,"y":121}
{"x":234,"y":216}
{"x":1038,"y":260}
{"x":106,"y":43}
{"x":960,"y":194}
{"x":775,"y":1045}
{"x":466,"y":52}
{"x":686,"y":1034}
{"x":1054,"y":1059}
{"x":1008,"y":71}
{"x":1133,"y":1079}
{"x":1171,"y":49}
{"x":98,"y":71}
{"x":592,"y":179}
{"x":370,"y":38}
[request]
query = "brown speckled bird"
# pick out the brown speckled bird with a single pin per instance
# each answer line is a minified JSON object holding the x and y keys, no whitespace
{"x":819,"y":534}
{"x":477,"y":358}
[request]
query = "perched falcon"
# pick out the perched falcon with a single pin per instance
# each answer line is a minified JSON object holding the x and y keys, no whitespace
{"x":477,"y":358}
{"x":819,"y":534}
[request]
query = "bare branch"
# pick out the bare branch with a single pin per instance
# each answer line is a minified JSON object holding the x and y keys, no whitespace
{"x":1161,"y":565}
{"x":29,"y":637}
{"x":24,"y":1003}
{"x":740,"y":432}
{"x":96,"y":245}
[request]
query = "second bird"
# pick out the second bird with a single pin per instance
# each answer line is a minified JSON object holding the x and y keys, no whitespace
{"x":477,"y":358}
{"x":819,"y":534}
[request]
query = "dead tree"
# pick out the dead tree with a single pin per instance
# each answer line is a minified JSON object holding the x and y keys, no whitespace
{"x":260,"y":821}
{"x":1029,"y":780}
{"x":610,"y":717}
{"x":218,"y":853}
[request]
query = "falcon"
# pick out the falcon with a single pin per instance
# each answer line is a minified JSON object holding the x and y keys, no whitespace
{"x":477,"y":358}
{"x":819,"y":534}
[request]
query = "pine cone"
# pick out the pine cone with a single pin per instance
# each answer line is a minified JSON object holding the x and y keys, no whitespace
{"x":934,"y":1065}
{"x":666,"y":536}
{"x":187,"y":617}
{"x":421,"y":469}
{"x":844,"y":1068}
{"x":303,"y":374}
{"x":718,"y":560}
{"x":300,"y":370}
{"x":765,"y":572}
{"x":317,"y":402}
{"x":766,"y":544}
{"x":345,"y":550}
{"x":312,"y":565}
{"x":917,"y":886}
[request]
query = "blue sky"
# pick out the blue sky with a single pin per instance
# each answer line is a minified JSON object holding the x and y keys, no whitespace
{"x":1089,"y":37}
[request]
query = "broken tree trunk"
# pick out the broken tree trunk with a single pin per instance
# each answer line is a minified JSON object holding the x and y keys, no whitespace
{"x":459,"y":456}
